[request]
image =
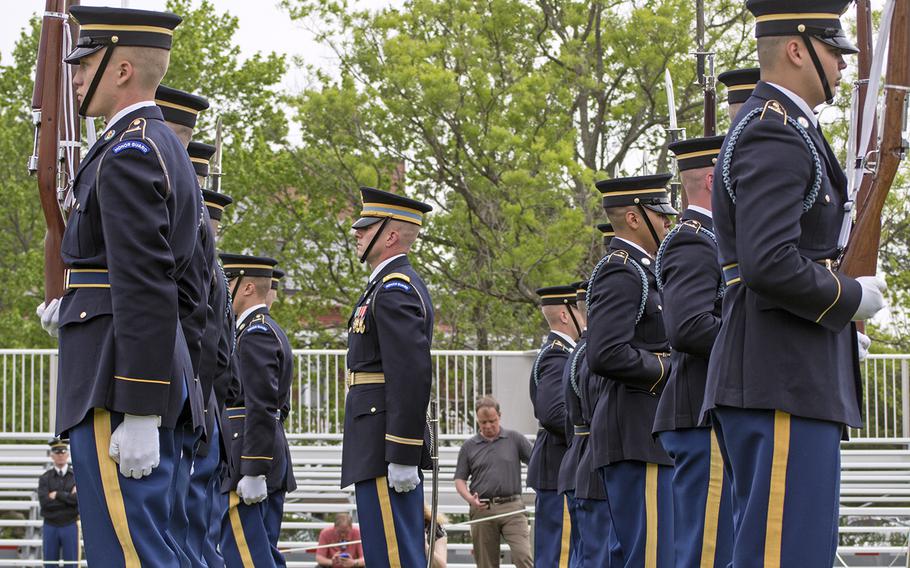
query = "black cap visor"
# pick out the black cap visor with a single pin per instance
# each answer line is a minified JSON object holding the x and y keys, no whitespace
{"x":838,"y":41}
{"x":661,"y":207}
{"x":365,"y":222}
{"x":81,"y":51}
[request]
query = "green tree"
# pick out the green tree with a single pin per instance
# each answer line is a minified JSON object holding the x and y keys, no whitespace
{"x":502,"y":114}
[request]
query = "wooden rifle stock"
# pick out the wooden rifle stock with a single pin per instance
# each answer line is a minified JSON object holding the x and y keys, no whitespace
{"x":48,"y":89}
{"x":861,"y":257}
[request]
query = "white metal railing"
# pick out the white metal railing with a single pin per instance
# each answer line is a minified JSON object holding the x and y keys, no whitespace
{"x":318,"y":391}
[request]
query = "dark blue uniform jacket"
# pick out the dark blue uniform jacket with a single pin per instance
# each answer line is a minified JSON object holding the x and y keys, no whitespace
{"x":549,"y":403}
{"x":254,"y":420}
{"x":691,"y":292}
{"x":632,"y":358}
{"x":786,"y":341}
{"x":132,"y":231}
{"x":390,"y":332}
{"x":571,"y":392}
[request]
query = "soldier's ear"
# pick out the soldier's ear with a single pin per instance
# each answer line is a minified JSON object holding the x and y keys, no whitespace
{"x":709,"y":181}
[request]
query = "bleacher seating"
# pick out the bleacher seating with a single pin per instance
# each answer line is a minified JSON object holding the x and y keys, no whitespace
{"x":875,"y":500}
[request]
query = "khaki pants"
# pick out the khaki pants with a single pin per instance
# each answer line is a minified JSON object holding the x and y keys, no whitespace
{"x":514,"y":529}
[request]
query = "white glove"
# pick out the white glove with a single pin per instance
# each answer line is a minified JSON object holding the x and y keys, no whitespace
{"x":873,"y":298}
{"x":49,"y":316}
{"x":403,"y":478}
{"x":252,"y":489}
{"x":863,"y":342}
{"x":134,"y":445}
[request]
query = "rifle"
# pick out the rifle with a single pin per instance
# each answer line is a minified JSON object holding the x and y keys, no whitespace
{"x":674,"y":134}
{"x":861,"y":91}
{"x":861,"y":255}
{"x":434,"y":493}
{"x":215,"y":172}
{"x":54,"y":117}
{"x":704,"y":66}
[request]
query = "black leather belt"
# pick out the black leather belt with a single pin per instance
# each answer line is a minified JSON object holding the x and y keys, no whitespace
{"x":499,"y":500}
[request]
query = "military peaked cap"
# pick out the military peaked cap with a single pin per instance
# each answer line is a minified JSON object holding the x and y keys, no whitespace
{"x":818,"y":18}
{"x":378,"y":204}
{"x":277,"y":275}
{"x":247,"y":265}
{"x":200,"y":154}
{"x":740,"y":83}
{"x":100,"y":27}
{"x":696,"y":152}
{"x":58,"y":445}
{"x":648,"y":191}
{"x":179,"y":106}
{"x":557,"y":295}
{"x":215,"y":203}
{"x":581,"y":290}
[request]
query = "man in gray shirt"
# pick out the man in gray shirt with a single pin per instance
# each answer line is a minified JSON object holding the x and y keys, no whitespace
{"x":492,"y":460}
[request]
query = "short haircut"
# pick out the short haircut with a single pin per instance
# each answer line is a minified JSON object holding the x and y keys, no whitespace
{"x":487,"y":402}
{"x":150,"y":63}
{"x":769,"y":50}
{"x":343,"y":520}
{"x":617,"y":215}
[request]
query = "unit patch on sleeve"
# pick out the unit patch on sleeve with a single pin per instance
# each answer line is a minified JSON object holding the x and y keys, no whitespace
{"x":131,"y":145}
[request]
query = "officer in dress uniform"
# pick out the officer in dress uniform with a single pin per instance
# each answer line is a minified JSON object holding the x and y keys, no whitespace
{"x":783,"y":378}
{"x":552,"y":522}
{"x":690,"y":280}
{"x":126,"y":373}
{"x":259,"y":462}
{"x":390,"y":376}
{"x":576,"y":431}
{"x":627,"y":349}
{"x":180,"y":110}
{"x":740,"y":84}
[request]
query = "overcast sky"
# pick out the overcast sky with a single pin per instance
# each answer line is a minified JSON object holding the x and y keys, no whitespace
{"x":263,"y":27}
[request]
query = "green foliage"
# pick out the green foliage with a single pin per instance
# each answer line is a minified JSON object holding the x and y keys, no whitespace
{"x":501,"y":114}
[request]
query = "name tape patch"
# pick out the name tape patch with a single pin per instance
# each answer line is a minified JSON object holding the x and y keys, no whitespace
{"x":131,"y":145}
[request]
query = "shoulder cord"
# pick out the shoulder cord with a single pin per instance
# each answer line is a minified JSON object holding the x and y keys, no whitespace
{"x":810,"y":198}
{"x":658,"y":263}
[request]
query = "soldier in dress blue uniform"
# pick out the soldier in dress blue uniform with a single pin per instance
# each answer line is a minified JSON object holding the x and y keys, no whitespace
{"x":552,"y":522}
{"x":690,"y":280}
{"x":576,"y":431}
{"x":390,"y":376}
{"x":126,"y":373}
{"x":627,"y":349}
{"x":259,"y":462}
{"x":783,"y":378}
{"x":740,"y":83}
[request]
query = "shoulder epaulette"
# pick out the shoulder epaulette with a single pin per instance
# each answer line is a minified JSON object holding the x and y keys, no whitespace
{"x":776,"y":107}
{"x":259,"y":324}
{"x":557,"y":344}
{"x":691,"y":226}
{"x":136,"y":130}
{"x":397,"y":275}
{"x":618,"y":256}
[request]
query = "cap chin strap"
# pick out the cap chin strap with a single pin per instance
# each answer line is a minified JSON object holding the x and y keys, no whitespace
{"x":574,"y":319}
{"x":363,"y":257}
{"x":236,"y":286}
{"x":650,"y":226}
{"x":807,"y":39}
{"x":96,"y":80}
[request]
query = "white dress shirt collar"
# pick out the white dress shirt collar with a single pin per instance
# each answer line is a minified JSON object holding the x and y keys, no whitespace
{"x":125,"y":111}
{"x":382,"y":265}
{"x":246,"y":313}
{"x":702,"y":210}
{"x":798,"y":101}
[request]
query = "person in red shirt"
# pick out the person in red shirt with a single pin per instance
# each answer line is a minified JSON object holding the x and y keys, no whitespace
{"x":345,"y":555}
